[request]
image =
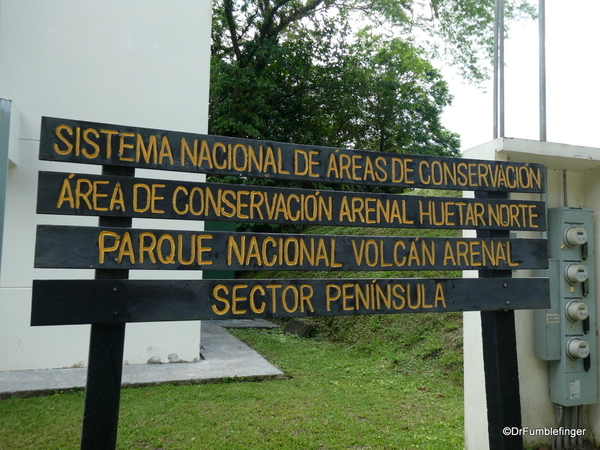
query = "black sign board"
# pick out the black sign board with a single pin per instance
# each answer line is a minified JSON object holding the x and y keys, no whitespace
{"x":60,"y":302}
{"x":111,"y":300}
{"x":119,"y":248}
{"x":94,"y":143}
{"x":113,"y":196}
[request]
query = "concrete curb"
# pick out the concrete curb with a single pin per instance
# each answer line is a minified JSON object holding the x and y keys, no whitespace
{"x":224,"y":357}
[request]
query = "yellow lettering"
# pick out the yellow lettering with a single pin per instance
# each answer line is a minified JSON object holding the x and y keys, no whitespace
{"x":252,"y":299}
{"x":294,"y":296}
{"x":332,"y":293}
{"x":126,"y":249}
{"x":332,"y":169}
{"x":306,"y":293}
{"x":280,"y":164}
{"x":96,"y":195}
{"x":155,"y":198}
{"x":216,"y":294}
{"x":124,"y":146}
{"x":439,"y":295}
{"x":83,"y":195}
{"x":88,"y":140}
{"x":147,"y":153}
{"x":165,"y":151}
{"x":136,"y":188}
{"x":235,"y":299}
{"x":117,"y":200}
{"x":109,"y":134}
{"x":59,"y":134}
{"x":170,"y":257}
{"x":149,"y":249}
{"x":103,"y":248}
{"x":66,"y":193}
{"x":346,"y":295}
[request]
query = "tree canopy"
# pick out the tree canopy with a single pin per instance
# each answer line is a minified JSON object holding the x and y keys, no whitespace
{"x":345,"y":73}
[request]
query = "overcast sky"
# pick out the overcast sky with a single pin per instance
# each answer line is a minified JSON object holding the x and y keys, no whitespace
{"x":573,"y":81}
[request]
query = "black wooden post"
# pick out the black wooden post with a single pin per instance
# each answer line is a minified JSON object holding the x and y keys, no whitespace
{"x":105,"y":360}
{"x":500,"y":361}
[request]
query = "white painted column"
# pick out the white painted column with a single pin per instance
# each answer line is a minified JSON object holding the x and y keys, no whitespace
{"x":583,"y":190}
{"x":129,"y":62}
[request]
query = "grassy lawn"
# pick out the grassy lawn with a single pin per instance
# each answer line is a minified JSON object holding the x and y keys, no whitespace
{"x":338,"y":396}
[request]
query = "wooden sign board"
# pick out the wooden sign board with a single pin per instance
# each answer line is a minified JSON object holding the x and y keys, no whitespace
{"x":119,"y":248}
{"x":61,"y":302}
{"x":113,"y":196}
{"x":104,"y":144}
{"x":110,"y":301}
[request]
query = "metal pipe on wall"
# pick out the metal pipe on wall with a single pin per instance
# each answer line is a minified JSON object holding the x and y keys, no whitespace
{"x":558,"y":411}
{"x":566,"y":421}
{"x":501,"y":65}
{"x":573,"y":424}
{"x":495,"y":96}
{"x":580,"y":425}
{"x":498,"y":115}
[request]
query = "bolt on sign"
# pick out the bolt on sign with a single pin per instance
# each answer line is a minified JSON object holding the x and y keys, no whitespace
{"x":114,"y":247}
{"x":132,"y":197}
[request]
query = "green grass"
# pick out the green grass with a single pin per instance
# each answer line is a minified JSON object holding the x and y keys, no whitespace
{"x":338,"y":396}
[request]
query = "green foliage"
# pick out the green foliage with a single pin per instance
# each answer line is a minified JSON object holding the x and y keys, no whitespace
{"x":300,"y":70}
{"x":319,"y":83}
{"x":462,"y":31}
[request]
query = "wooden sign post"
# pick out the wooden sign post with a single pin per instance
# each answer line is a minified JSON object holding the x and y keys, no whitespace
{"x":105,"y":360}
{"x":114,"y":247}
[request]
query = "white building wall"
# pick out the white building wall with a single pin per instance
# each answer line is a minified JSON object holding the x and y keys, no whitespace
{"x":129,"y":62}
{"x":582,"y":165}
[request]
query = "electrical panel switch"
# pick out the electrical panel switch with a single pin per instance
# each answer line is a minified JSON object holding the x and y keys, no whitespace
{"x":565,"y":334}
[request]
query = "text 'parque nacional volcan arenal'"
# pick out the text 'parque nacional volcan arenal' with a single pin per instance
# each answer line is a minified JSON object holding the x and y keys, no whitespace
{"x":118,"y":248}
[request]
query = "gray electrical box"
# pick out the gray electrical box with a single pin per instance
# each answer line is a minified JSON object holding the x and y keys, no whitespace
{"x":565,"y":334}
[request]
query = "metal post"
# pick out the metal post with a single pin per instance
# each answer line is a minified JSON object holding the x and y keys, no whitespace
{"x":500,"y":361}
{"x":542,"y":69}
{"x":501,"y":66}
{"x":495,"y":101}
{"x":105,"y":361}
{"x":498,"y":115}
